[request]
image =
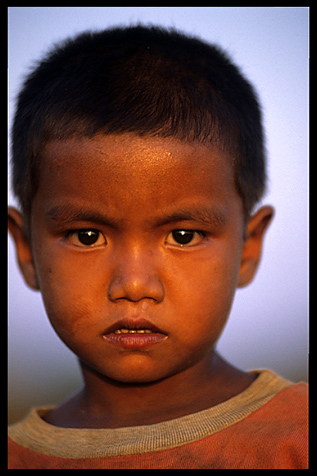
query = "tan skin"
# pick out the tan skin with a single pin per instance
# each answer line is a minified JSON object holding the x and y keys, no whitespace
{"x":136,"y":198}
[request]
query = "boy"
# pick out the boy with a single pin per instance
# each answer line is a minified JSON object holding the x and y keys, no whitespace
{"x":138,"y":158}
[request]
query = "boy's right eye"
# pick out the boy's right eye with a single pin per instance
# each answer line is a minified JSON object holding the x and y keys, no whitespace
{"x":86,"y":238}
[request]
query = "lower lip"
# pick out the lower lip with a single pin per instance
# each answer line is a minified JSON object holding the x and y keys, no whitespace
{"x":135,"y":341}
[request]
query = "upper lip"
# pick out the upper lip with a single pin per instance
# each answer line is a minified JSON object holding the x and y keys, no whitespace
{"x":133,"y":323}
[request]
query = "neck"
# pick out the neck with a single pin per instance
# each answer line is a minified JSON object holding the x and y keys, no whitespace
{"x":143,"y":403}
{"x":104,"y":403}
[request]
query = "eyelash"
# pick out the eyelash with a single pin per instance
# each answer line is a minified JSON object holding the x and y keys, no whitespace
{"x":185,"y":238}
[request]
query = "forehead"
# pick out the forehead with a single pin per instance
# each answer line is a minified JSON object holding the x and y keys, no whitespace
{"x":125,"y":167}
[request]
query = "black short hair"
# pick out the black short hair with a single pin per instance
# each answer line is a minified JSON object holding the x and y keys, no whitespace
{"x":146,"y":80}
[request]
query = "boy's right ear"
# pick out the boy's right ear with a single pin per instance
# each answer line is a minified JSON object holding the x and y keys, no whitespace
{"x":23,"y":248}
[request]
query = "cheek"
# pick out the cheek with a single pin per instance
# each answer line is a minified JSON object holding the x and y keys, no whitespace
{"x":206,"y":298}
{"x":73,"y":318}
{"x":211,"y":283}
{"x":65,"y":310}
{"x":70,"y":296}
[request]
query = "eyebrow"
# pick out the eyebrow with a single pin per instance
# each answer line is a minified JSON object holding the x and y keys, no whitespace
{"x":209,"y":216}
{"x":66,"y":214}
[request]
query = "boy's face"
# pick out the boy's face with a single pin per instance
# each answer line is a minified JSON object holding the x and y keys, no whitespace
{"x":137,"y":247}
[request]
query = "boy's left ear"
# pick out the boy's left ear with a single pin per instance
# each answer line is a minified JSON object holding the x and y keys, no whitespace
{"x":252,"y":248}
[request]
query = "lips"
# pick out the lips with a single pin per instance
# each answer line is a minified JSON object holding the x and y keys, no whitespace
{"x":134,"y":333}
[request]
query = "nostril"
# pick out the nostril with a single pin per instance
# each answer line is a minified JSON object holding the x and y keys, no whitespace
{"x":136,"y":288}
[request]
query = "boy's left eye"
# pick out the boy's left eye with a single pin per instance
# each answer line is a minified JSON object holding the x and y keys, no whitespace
{"x":86,"y":238}
{"x":185,"y":238}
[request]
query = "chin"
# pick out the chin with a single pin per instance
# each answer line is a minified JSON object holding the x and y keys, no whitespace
{"x":136,"y":378}
{"x":134,"y":374}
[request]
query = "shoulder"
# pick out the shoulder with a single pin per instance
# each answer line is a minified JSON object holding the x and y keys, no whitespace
{"x":290,"y":404}
{"x":279,"y":408}
{"x":17,"y":455}
{"x":271,"y":431}
{"x":22,"y":435}
{"x":277,"y":432}
{"x":285,"y":413}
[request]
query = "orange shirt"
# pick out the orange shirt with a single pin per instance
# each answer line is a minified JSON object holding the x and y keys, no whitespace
{"x":264,"y":427}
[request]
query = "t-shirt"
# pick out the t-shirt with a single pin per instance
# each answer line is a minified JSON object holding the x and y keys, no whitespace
{"x":263,"y":427}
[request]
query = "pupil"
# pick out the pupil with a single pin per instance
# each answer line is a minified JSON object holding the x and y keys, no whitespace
{"x":88,"y":237}
{"x":183,"y":237}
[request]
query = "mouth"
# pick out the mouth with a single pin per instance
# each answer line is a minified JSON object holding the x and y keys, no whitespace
{"x":134,"y":334}
{"x":133,"y":331}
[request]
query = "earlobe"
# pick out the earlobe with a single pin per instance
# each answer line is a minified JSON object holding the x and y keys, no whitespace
{"x":252,"y":248}
{"x":23,"y":248}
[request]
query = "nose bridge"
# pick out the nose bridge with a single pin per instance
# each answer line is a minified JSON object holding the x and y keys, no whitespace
{"x":136,"y":275}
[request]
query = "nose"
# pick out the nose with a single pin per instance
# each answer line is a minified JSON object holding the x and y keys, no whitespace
{"x":136,"y":277}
